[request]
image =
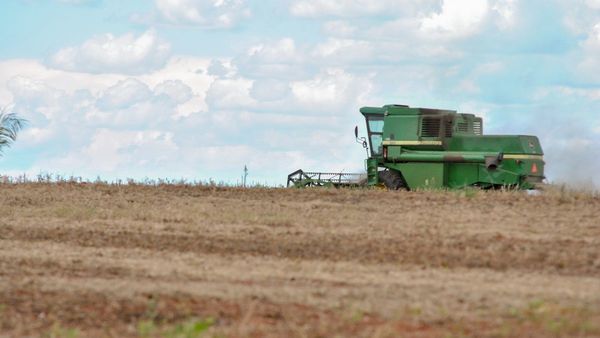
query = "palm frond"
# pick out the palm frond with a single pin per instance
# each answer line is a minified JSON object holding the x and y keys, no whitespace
{"x":10,"y":125}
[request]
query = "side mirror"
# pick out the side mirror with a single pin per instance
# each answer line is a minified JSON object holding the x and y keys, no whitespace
{"x":362,"y":140}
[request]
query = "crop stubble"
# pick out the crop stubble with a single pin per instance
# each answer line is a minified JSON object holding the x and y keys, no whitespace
{"x":276,"y":262}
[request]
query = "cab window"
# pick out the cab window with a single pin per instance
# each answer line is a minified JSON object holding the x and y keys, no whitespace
{"x":375,"y":129}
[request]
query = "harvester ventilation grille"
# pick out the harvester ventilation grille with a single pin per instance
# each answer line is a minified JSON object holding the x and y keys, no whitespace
{"x":477,"y":130}
{"x":448,"y":132}
{"x":463,"y":127}
{"x":430,"y":127}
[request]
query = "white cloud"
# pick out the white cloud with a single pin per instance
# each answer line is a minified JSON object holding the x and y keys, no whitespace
{"x":285,"y":60}
{"x":506,"y":9}
{"x":41,"y":103}
{"x":203,"y":13}
{"x":31,"y":90}
{"x":339,"y":28}
{"x":332,"y":90}
{"x":408,"y":20}
{"x":416,"y":24}
{"x":65,"y":108}
{"x":230,"y":94}
{"x":218,"y":68}
{"x":590,"y":65}
{"x":420,"y":32}
{"x":109,"y":151}
{"x":56,"y":78}
{"x":347,"y":50}
{"x":127,"y":54}
{"x":131,"y":103}
{"x":193,"y":73}
{"x":269,"y":90}
{"x":284,"y":49}
{"x":580,"y":16}
{"x":594,"y":4}
{"x":40,"y":90}
{"x":34,"y":136}
{"x":354,"y":8}
{"x":587,"y":94}
{"x":114,"y":125}
{"x":175,"y":90}
{"x":275,"y":59}
{"x":457,"y":18}
{"x":155,"y":154}
{"x":124,"y":94}
{"x":469,"y":82}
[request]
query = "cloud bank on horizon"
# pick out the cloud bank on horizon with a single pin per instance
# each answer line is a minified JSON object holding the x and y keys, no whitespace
{"x":197,"y":89}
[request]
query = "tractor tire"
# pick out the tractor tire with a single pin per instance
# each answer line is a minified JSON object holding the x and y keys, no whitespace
{"x":393,"y":180}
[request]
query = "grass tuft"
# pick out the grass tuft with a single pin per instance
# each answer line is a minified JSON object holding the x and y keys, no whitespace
{"x":191,"y":328}
{"x":59,"y":331}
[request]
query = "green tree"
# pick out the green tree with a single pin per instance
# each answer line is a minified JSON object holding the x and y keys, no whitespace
{"x":10,"y":125}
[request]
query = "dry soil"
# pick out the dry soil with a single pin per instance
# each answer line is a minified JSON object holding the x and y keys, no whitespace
{"x":132,"y":260}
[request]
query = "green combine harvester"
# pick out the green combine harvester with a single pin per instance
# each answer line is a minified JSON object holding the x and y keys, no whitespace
{"x":420,"y":148}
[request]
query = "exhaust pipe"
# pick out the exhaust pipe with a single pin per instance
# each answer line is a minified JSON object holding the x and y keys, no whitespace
{"x":492,"y":162}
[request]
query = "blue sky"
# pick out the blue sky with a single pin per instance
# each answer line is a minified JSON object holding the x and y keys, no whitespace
{"x":197,"y":89}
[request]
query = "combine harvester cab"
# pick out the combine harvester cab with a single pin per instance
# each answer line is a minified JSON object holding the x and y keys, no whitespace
{"x":421,"y":148}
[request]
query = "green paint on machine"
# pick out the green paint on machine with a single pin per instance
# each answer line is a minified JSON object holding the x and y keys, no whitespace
{"x":422,"y":148}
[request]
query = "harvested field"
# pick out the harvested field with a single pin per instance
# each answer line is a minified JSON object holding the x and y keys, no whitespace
{"x":95,"y":260}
